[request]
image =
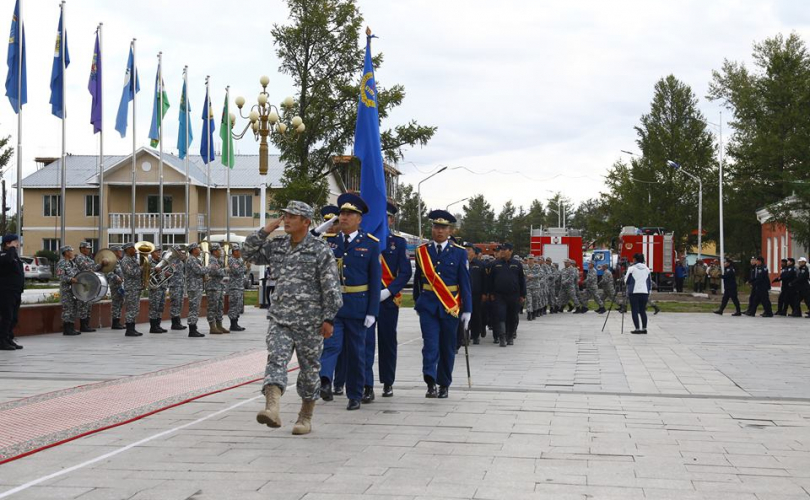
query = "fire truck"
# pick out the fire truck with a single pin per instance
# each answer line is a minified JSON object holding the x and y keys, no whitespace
{"x":558,"y":243}
{"x":658,"y":248}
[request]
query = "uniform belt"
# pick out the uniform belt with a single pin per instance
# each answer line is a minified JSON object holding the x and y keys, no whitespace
{"x":353,"y":289}
{"x":450,"y":288}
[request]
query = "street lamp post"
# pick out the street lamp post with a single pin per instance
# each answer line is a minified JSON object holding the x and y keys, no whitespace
{"x":677,"y":166}
{"x":419,"y":197}
{"x":456,"y":202}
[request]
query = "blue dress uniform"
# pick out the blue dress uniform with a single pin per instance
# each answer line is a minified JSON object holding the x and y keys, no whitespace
{"x":396,"y":258}
{"x":360,"y":280}
{"x":438,"y":326}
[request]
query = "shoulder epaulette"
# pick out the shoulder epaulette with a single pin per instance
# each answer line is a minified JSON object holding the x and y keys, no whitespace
{"x":373,"y":237}
{"x":329,"y":235}
{"x":459,"y":246}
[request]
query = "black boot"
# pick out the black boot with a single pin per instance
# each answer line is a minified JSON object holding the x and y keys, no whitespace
{"x":116,"y":324}
{"x":368,"y":394}
{"x":235,"y":326}
{"x":154,"y":326}
{"x":193,"y":332}
{"x":68,"y":329}
{"x":84,"y":325}
{"x":326,"y":390}
{"x":131,"y":331}
{"x":177,"y":325}
{"x":601,"y":310}
{"x":656,"y":308}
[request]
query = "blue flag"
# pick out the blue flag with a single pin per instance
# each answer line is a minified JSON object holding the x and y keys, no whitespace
{"x":185,"y":107}
{"x":58,"y":71}
{"x":16,"y":48}
{"x":367,"y":148}
{"x":131,"y":87}
{"x":94,"y":86}
{"x":207,"y":142}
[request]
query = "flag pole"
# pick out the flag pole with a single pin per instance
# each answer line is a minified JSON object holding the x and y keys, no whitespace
{"x":20,"y":32}
{"x":62,"y":214}
{"x":160,"y":147}
{"x":208,"y":163}
{"x":133,"y":79}
{"x":188,"y":148}
{"x":100,"y":77}
{"x":227,"y":154}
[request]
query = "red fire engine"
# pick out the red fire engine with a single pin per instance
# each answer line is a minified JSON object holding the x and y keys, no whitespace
{"x":558,"y":243}
{"x":659,"y":252}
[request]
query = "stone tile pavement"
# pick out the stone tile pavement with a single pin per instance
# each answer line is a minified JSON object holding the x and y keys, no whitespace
{"x":702,"y":407}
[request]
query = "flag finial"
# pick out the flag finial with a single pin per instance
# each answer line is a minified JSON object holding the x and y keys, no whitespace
{"x":368,"y":31}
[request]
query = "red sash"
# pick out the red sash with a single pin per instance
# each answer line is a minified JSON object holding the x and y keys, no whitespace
{"x":450,"y":302}
{"x":388,"y":278}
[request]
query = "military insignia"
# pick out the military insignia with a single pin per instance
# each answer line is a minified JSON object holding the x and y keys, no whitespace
{"x":368,"y":93}
{"x":361,"y":249}
{"x":373,"y":237}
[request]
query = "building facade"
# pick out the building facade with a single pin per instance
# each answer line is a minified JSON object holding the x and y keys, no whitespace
{"x":777,"y":243}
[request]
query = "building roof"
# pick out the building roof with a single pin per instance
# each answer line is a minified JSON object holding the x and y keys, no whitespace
{"x":82,"y":170}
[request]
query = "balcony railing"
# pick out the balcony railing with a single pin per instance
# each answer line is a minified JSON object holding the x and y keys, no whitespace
{"x":148,"y":221}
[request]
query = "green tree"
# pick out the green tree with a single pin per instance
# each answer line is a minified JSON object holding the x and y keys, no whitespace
{"x":478,"y":222}
{"x":409,"y":208}
{"x":319,"y":50}
{"x":591,"y":217}
{"x":504,"y":225}
{"x":6,"y":153}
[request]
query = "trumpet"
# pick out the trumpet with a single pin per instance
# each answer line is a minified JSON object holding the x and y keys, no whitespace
{"x":158,"y":276}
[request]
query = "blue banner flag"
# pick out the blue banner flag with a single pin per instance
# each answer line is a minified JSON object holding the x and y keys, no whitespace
{"x":94,"y":86}
{"x":58,"y":71}
{"x":367,"y":148}
{"x":17,"y":94}
{"x":185,"y":108}
{"x":131,"y":87}
{"x":207,"y":142}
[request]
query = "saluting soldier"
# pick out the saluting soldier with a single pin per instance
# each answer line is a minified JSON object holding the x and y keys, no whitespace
{"x":358,"y":255}
{"x":442,"y":293}
{"x":328,"y":227}
{"x":157,"y":296}
{"x":237,"y":270}
{"x":133,"y":284}
{"x":176,"y":290}
{"x":396,"y":272}
{"x":195,"y":272}
{"x":115,"y":279}
{"x":214,"y":290}
{"x":66,"y":271}
{"x":85,"y":263}
{"x":591,"y":289}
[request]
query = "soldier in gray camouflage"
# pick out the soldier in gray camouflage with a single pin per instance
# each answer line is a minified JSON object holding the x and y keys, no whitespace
{"x":85,"y":263}
{"x":591,"y":290}
{"x":301,"y":313}
{"x":568,"y":287}
{"x":195,"y":274}
{"x":176,"y":290}
{"x":607,"y":285}
{"x":215,"y":290}
{"x":543,"y":289}
{"x":532,"y":274}
{"x":552,"y":277}
{"x":66,"y":271}
{"x":237,"y":270}
{"x":157,"y":295}
{"x":133,"y":284}
{"x":115,"y":281}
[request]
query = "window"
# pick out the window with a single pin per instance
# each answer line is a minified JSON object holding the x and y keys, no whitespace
{"x":50,"y":205}
{"x":51,"y":244}
{"x":93,"y":244}
{"x":242,"y":205}
{"x":152,"y":204}
{"x":91,"y":206}
{"x":173,"y":239}
{"x":120,"y":239}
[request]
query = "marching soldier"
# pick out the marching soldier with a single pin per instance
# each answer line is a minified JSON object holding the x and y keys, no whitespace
{"x":396,"y":272}
{"x":478,"y":280}
{"x":532,"y":273}
{"x":592,"y":289}
{"x":195,"y":272}
{"x":237,"y":270}
{"x":442,"y":293}
{"x":302,"y":312}
{"x":568,"y":287}
{"x":552,"y":278}
{"x":507,"y":289}
{"x":360,"y":272}
{"x":133,"y":284}
{"x":214,"y":290}
{"x":607,"y":285}
{"x":176,"y":290}
{"x":543,"y":291}
{"x":115,"y":279}
{"x":66,"y":271}
{"x":85,"y":263}
{"x":157,"y":296}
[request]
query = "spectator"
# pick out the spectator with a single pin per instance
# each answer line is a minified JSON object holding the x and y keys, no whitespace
{"x":699,"y":276}
{"x":681,"y":272}
{"x":639,"y":286}
{"x":12,"y":282}
{"x":715,"y":275}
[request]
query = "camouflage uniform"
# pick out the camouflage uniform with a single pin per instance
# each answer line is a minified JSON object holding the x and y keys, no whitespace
{"x":591,"y":289}
{"x":568,"y":287}
{"x":115,"y":280}
{"x":85,"y":263}
{"x":133,"y":284}
{"x":607,"y":286}
{"x":176,"y":288}
{"x":157,"y":297}
{"x":237,"y":270}
{"x":194,"y":285}
{"x":66,"y":270}
{"x":214,"y":288}
{"x":532,"y":273}
{"x":542,"y":290}
{"x":307,"y":293}
{"x":552,"y":278}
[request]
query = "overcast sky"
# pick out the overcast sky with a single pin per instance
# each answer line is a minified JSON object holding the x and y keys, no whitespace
{"x":545,"y":93}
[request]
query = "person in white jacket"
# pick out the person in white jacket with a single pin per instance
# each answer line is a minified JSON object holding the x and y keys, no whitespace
{"x":639,"y":285}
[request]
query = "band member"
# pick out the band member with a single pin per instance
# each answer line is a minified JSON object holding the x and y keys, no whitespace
{"x":358,"y":255}
{"x":157,"y":296}
{"x":214,"y":290}
{"x":176,"y":290}
{"x":133,"y":284}
{"x":441,"y":291}
{"x":237,"y":270}
{"x":115,"y":279}
{"x":195,"y":272}
{"x":86,"y":263}
{"x":66,"y":271}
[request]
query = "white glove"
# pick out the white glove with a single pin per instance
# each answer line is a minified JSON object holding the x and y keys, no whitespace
{"x":325,"y":226}
{"x":465,"y":318}
{"x":370,"y":320}
{"x":384,"y":294}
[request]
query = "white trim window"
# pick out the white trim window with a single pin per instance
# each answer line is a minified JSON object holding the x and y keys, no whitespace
{"x":51,"y":244}
{"x":91,"y":205}
{"x":50,"y":205}
{"x":242,"y":205}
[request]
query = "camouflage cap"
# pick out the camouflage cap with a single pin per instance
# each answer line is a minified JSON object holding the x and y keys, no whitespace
{"x":66,"y":248}
{"x":299,"y":208}
{"x":234,"y":247}
{"x":177,"y":248}
{"x":85,"y":244}
{"x":193,"y":246}
{"x":214,"y":246}
{"x":128,"y":245}
{"x":116,"y":248}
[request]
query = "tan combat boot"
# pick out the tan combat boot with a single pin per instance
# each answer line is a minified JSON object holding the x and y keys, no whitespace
{"x":304,"y":423}
{"x":212,"y":328}
{"x":269,"y":416}
{"x":222,"y":329}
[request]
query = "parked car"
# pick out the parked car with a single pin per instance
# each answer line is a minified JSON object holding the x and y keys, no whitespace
{"x":37,"y":268}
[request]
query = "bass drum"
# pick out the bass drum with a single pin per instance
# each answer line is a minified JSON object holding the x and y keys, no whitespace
{"x":91,"y":287}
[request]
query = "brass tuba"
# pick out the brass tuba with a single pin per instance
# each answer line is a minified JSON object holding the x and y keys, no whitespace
{"x":144,"y":248}
{"x":159,"y":277}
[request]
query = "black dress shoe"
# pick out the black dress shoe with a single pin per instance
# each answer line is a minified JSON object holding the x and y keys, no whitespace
{"x":443,"y":392}
{"x":15,"y":344}
{"x":353,"y":405}
{"x":431,"y":391}
{"x":476,"y":341}
{"x":635,"y":331}
{"x":767,"y":315}
{"x":368,"y":395}
{"x":718,"y":312}
{"x":388,"y":391}
{"x":338,"y":391}
{"x":326,"y":391}
{"x":510,"y":342}
{"x":738,"y":313}
{"x":5,"y":346}
{"x":502,"y":341}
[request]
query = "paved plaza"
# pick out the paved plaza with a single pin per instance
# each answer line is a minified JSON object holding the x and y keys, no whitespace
{"x":702,"y":407}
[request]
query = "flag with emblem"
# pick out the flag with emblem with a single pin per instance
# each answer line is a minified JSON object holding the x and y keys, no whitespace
{"x":184,"y":140}
{"x":225,"y":134}
{"x":94,"y":86}
{"x":132,"y":86}
{"x":162,"y":104}
{"x":60,"y":52}
{"x":16,"y":87}
{"x":368,"y":150}
{"x":207,"y":141}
